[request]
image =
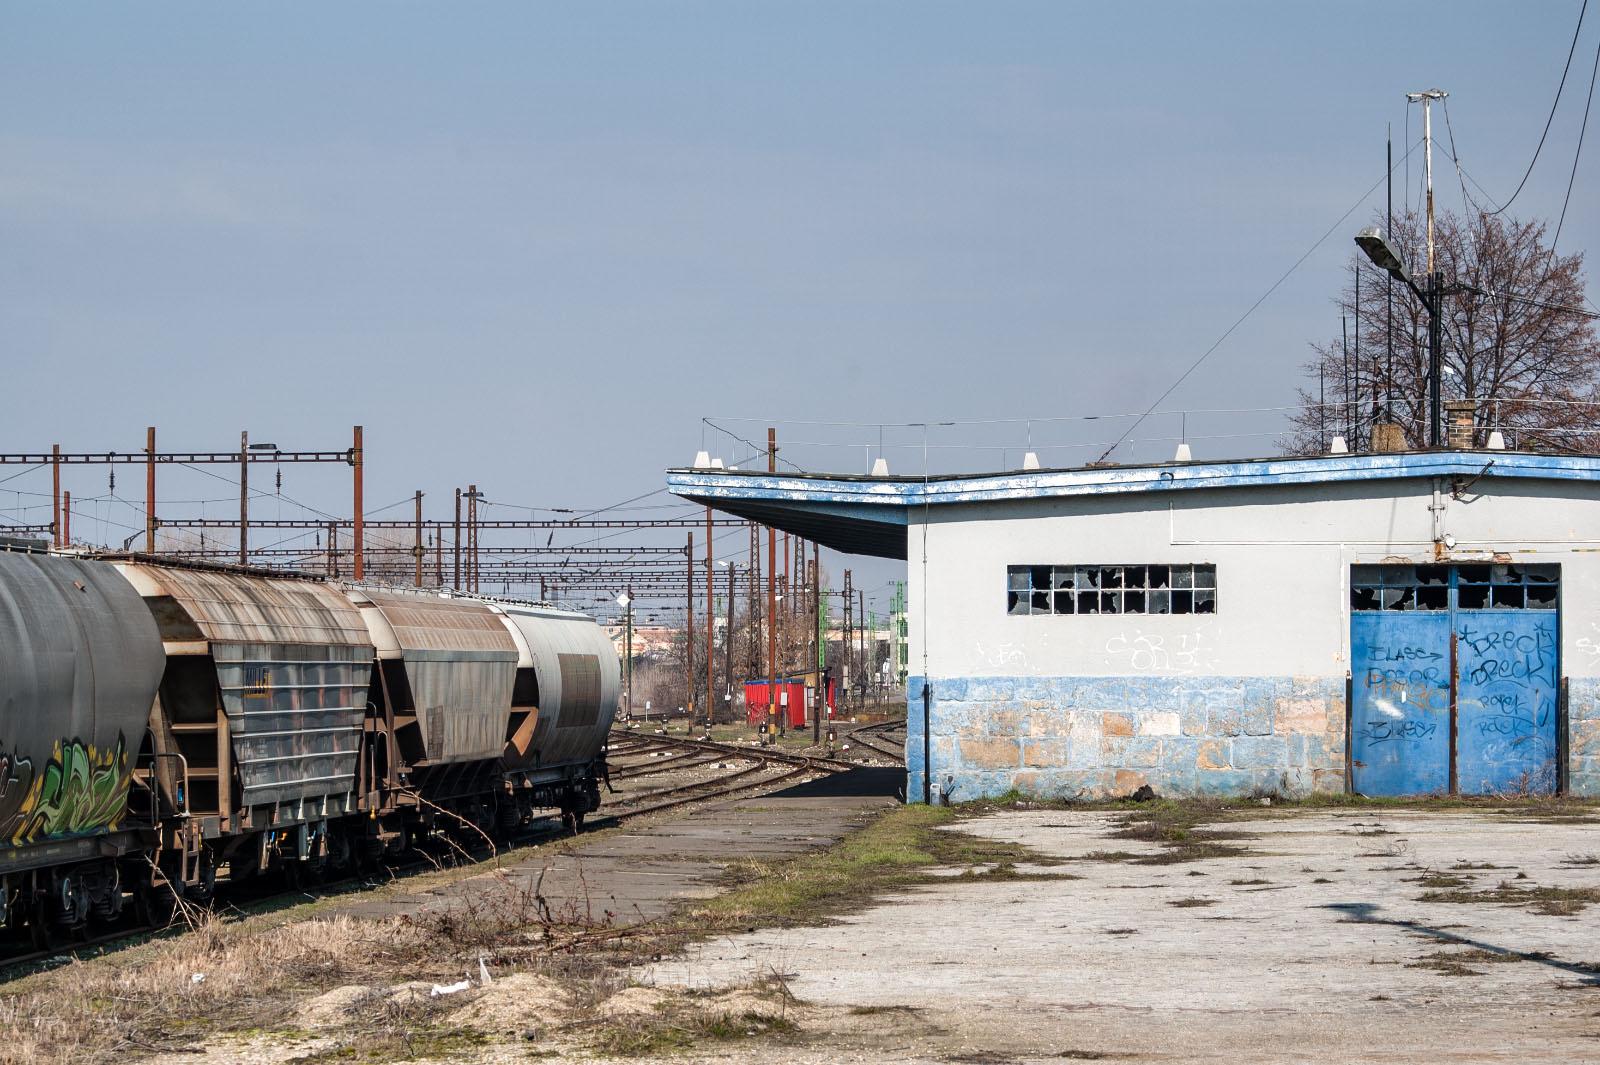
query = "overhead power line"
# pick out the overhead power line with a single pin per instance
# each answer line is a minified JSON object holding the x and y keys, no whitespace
{"x":1554,"y":103}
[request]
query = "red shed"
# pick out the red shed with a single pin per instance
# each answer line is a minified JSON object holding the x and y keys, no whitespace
{"x":755,"y":701}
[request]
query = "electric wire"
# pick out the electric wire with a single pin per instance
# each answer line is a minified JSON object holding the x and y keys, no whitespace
{"x":1563,"y":84}
{"x":1251,"y":310}
{"x":1576,"y":155}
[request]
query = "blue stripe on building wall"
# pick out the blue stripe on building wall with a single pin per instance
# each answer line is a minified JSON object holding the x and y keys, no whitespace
{"x":1583,"y":736}
{"x":1098,"y":737}
{"x":1221,"y":737}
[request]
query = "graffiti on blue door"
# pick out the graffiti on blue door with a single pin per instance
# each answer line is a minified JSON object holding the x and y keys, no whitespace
{"x":1454,"y":673}
{"x":1505,"y":701}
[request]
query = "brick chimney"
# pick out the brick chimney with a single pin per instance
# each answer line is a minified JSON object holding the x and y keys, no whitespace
{"x":1459,"y":418}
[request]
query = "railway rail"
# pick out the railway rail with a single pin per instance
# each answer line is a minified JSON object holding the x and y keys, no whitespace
{"x":885,"y":738}
{"x":674,"y":766}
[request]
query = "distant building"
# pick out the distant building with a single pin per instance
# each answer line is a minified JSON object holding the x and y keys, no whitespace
{"x":1409,"y":623}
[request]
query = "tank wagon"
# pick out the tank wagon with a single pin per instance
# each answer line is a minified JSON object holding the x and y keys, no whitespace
{"x":186,"y":721}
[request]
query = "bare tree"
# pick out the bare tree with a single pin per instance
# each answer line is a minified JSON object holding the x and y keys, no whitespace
{"x":1517,"y":338}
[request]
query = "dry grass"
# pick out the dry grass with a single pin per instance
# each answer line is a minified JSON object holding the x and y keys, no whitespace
{"x":1550,"y":901}
{"x":171,"y":994}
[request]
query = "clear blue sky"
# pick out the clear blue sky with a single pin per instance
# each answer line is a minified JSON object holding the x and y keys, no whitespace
{"x":531,"y":245}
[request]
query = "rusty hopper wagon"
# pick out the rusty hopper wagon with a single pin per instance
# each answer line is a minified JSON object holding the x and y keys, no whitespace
{"x":163,"y":724}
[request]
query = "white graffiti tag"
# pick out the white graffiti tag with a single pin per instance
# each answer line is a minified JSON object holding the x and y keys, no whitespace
{"x":1146,"y":652}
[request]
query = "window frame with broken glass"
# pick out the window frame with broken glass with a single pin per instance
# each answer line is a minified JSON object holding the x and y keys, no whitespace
{"x":1440,"y":587}
{"x":1141,"y":588}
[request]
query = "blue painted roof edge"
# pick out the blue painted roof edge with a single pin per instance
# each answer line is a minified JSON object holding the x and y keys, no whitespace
{"x":892,"y":492}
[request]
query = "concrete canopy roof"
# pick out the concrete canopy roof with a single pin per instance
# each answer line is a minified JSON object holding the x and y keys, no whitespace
{"x":869,"y":515}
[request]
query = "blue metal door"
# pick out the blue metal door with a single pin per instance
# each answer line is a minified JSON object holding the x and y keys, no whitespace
{"x":1454,"y":674}
{"x":1506,"y":679}
{"x":1400,"y":720}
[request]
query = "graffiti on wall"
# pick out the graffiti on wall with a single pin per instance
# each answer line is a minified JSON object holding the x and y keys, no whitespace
{"x":1149,"y":652}
{"x":81,"y":789}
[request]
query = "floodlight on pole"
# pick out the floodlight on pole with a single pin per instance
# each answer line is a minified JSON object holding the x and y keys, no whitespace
{"x":1383,"y":255}
{"x":1376,"y":246}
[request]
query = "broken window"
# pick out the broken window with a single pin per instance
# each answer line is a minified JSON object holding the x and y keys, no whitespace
{"x":1140,"y":589}
{"x":1474,"y":587}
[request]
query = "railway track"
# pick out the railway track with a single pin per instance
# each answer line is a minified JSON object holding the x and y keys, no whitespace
{"x":885,"y":738}
{"x":735,"y":768}
{"x":650,"y":774}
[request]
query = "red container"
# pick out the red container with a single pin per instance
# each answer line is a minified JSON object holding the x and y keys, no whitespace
{"x":755,"y":701}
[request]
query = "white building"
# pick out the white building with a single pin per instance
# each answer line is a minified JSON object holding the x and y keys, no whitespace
{"x":1389,"y":624}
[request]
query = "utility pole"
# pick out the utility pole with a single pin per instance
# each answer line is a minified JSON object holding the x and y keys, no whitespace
{"x":627,"y":654}
{"x":333,"y":551}
{"x":55,"y":495}
{"x":244,"y":499}
{"x":472,"y":537}
{"x":417,"y":550}
{"x":772,"y":615}
{"x":688,"y":644}
{"x":861,"y":619}
{"x":150,"y":490}
{"x":752,"y":601}
{"x":66,"y":519}
{"x":815,"y":605}
{"x":711,"y":658}
{"x":1434,"y":292}
{"x":456,"y":580}
{"x":727,"y":641}
{"x":847,"y":645}
{"x":358,"y":535}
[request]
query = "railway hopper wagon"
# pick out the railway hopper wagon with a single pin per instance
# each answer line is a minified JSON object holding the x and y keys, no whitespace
{"x":80,"y":659}
{"x":161,"y":723}
{"x":257,"y":729}
{"x":569,"y":680}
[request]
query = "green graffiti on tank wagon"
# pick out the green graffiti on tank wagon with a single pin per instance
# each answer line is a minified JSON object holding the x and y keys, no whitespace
{"x":81,"y":790}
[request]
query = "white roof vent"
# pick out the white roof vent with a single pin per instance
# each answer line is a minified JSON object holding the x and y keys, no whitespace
{"x":702,"y":460}
{"x":1338,"y":447}
{"x":716,"y":464}
{"x":1030,"y":461}
{"x":1184,"y":454}
{"x":880,"y":467}
{"x":1497,"y":441}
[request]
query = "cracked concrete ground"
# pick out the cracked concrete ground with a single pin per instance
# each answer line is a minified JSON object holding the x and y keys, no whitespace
{"x":1318,"y":945}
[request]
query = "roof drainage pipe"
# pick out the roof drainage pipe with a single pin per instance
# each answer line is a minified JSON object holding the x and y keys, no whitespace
{"x":927,"y":746}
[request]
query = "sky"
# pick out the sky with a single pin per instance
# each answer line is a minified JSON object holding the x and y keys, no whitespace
{"x":552,"y":249}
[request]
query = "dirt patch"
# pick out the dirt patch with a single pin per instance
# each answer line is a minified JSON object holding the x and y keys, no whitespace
{"x":514,"y":1005}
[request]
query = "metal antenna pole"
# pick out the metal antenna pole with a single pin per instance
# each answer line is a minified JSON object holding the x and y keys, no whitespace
{"x":1434,"y":295}
{"x":1388,"y":372}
